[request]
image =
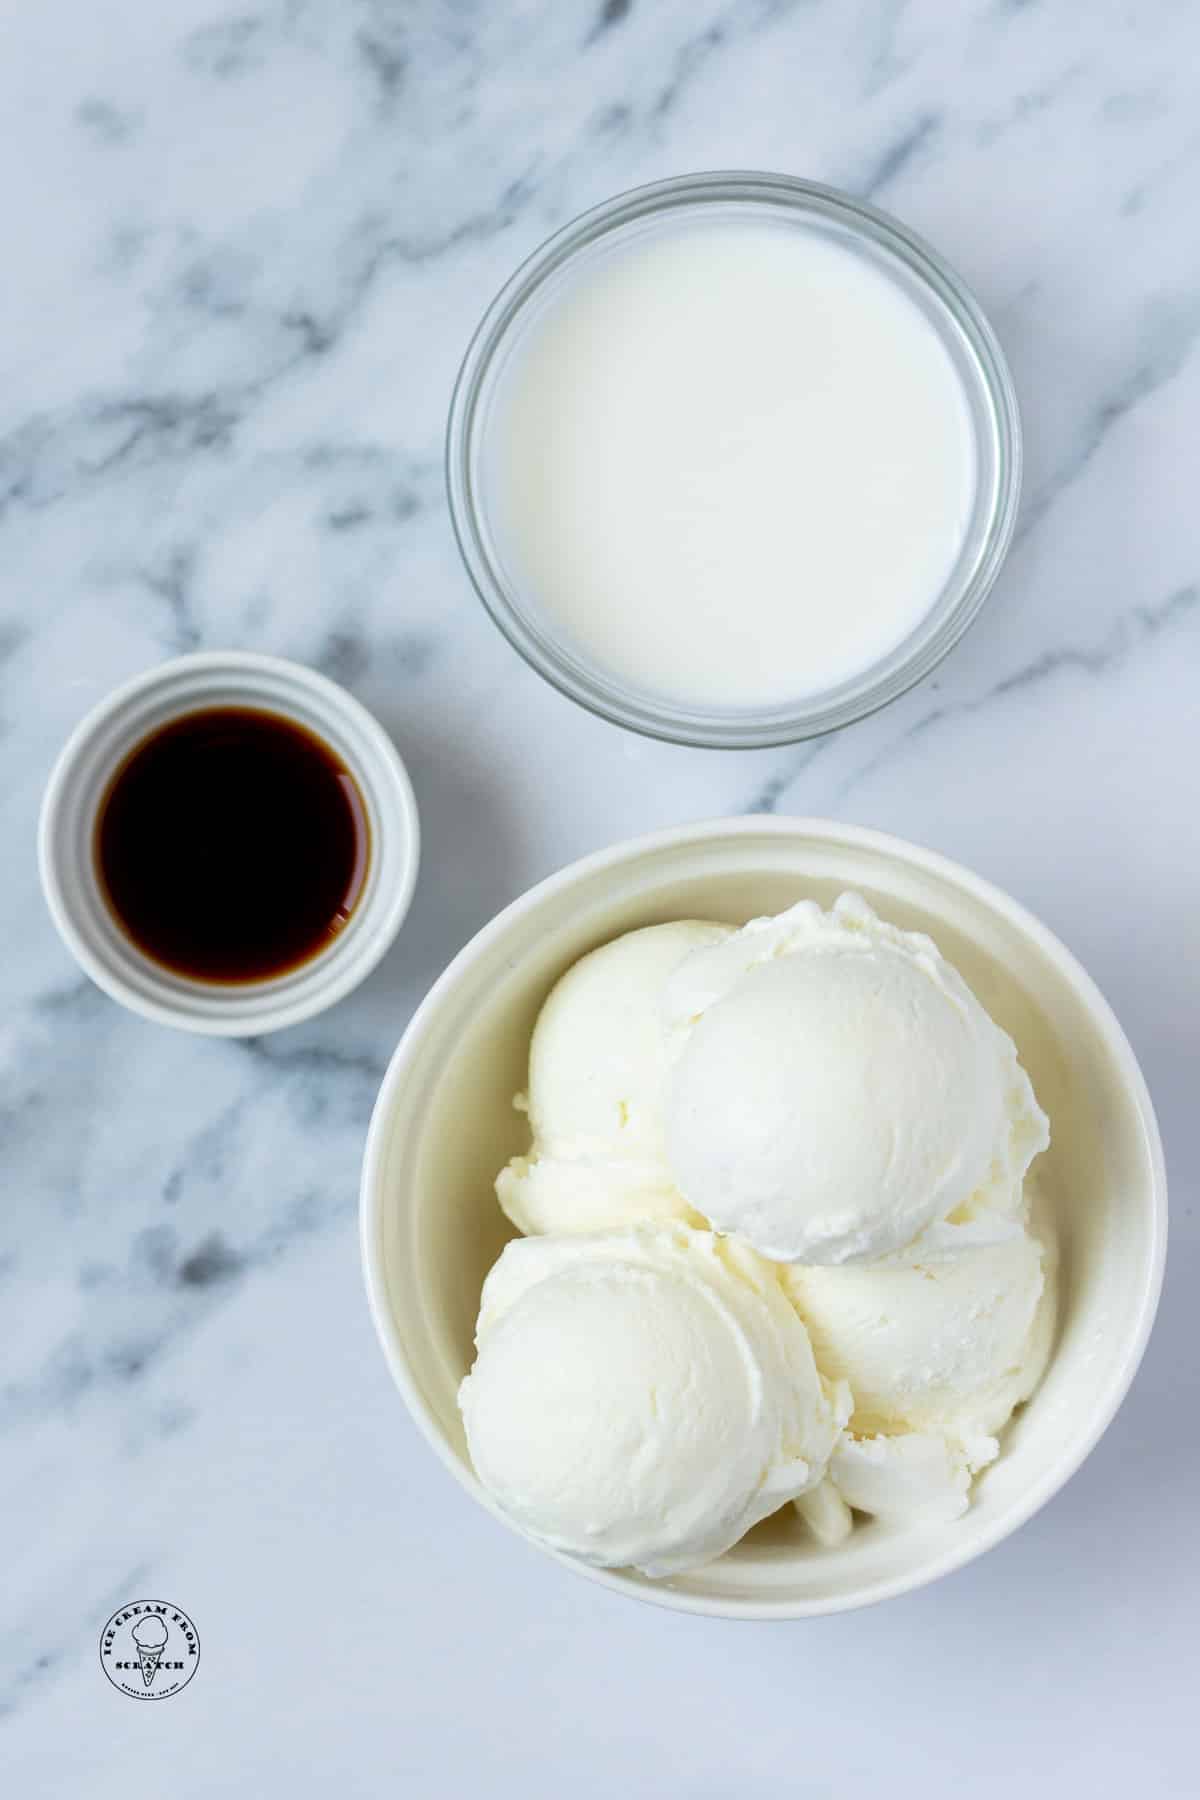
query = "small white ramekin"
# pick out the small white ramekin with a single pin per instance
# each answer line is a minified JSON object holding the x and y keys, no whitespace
{"x":444,"y":1124}
{"x":79,"y":780}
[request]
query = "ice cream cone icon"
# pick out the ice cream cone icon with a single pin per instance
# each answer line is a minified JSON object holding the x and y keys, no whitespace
{"x":150,"y":1637}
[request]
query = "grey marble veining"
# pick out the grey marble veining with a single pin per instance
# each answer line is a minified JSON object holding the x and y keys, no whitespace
{"x":245,"y":250}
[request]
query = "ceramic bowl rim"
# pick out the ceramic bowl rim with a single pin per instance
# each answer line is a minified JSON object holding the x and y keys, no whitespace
{"x":372,"y":1199}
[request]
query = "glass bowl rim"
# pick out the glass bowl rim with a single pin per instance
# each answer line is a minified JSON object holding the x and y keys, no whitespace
{"x":596,"y":689}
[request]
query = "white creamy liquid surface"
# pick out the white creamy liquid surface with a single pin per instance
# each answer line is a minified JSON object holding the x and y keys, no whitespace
{"x":732,"y":464}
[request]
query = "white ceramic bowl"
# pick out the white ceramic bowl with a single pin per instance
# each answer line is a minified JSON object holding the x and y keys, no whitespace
{"x":444,"y":1124}
{"x":80,"y":779}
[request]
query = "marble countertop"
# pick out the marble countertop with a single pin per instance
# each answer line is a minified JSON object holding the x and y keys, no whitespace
{"x":245,"y":249}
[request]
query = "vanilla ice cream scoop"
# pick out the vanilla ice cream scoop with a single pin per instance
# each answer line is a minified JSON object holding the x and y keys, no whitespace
{"x":937,"y":1357}
{"x":643,"y":1397}
{"x":915,"y":1477}
{"x":597,"y":1067}
{"x":838,"y":1091}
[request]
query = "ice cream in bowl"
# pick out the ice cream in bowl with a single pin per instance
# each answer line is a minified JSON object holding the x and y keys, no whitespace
{"x":820,"y":1244}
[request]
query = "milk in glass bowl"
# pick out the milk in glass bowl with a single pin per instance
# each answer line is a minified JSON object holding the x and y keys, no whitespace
{"x":733,"y":459}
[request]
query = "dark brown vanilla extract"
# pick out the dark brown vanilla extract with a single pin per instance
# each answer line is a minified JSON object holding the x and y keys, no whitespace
{"x":232,"y":845}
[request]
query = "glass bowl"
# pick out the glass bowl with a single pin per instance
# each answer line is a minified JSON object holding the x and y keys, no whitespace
{"x":948,"y":306}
